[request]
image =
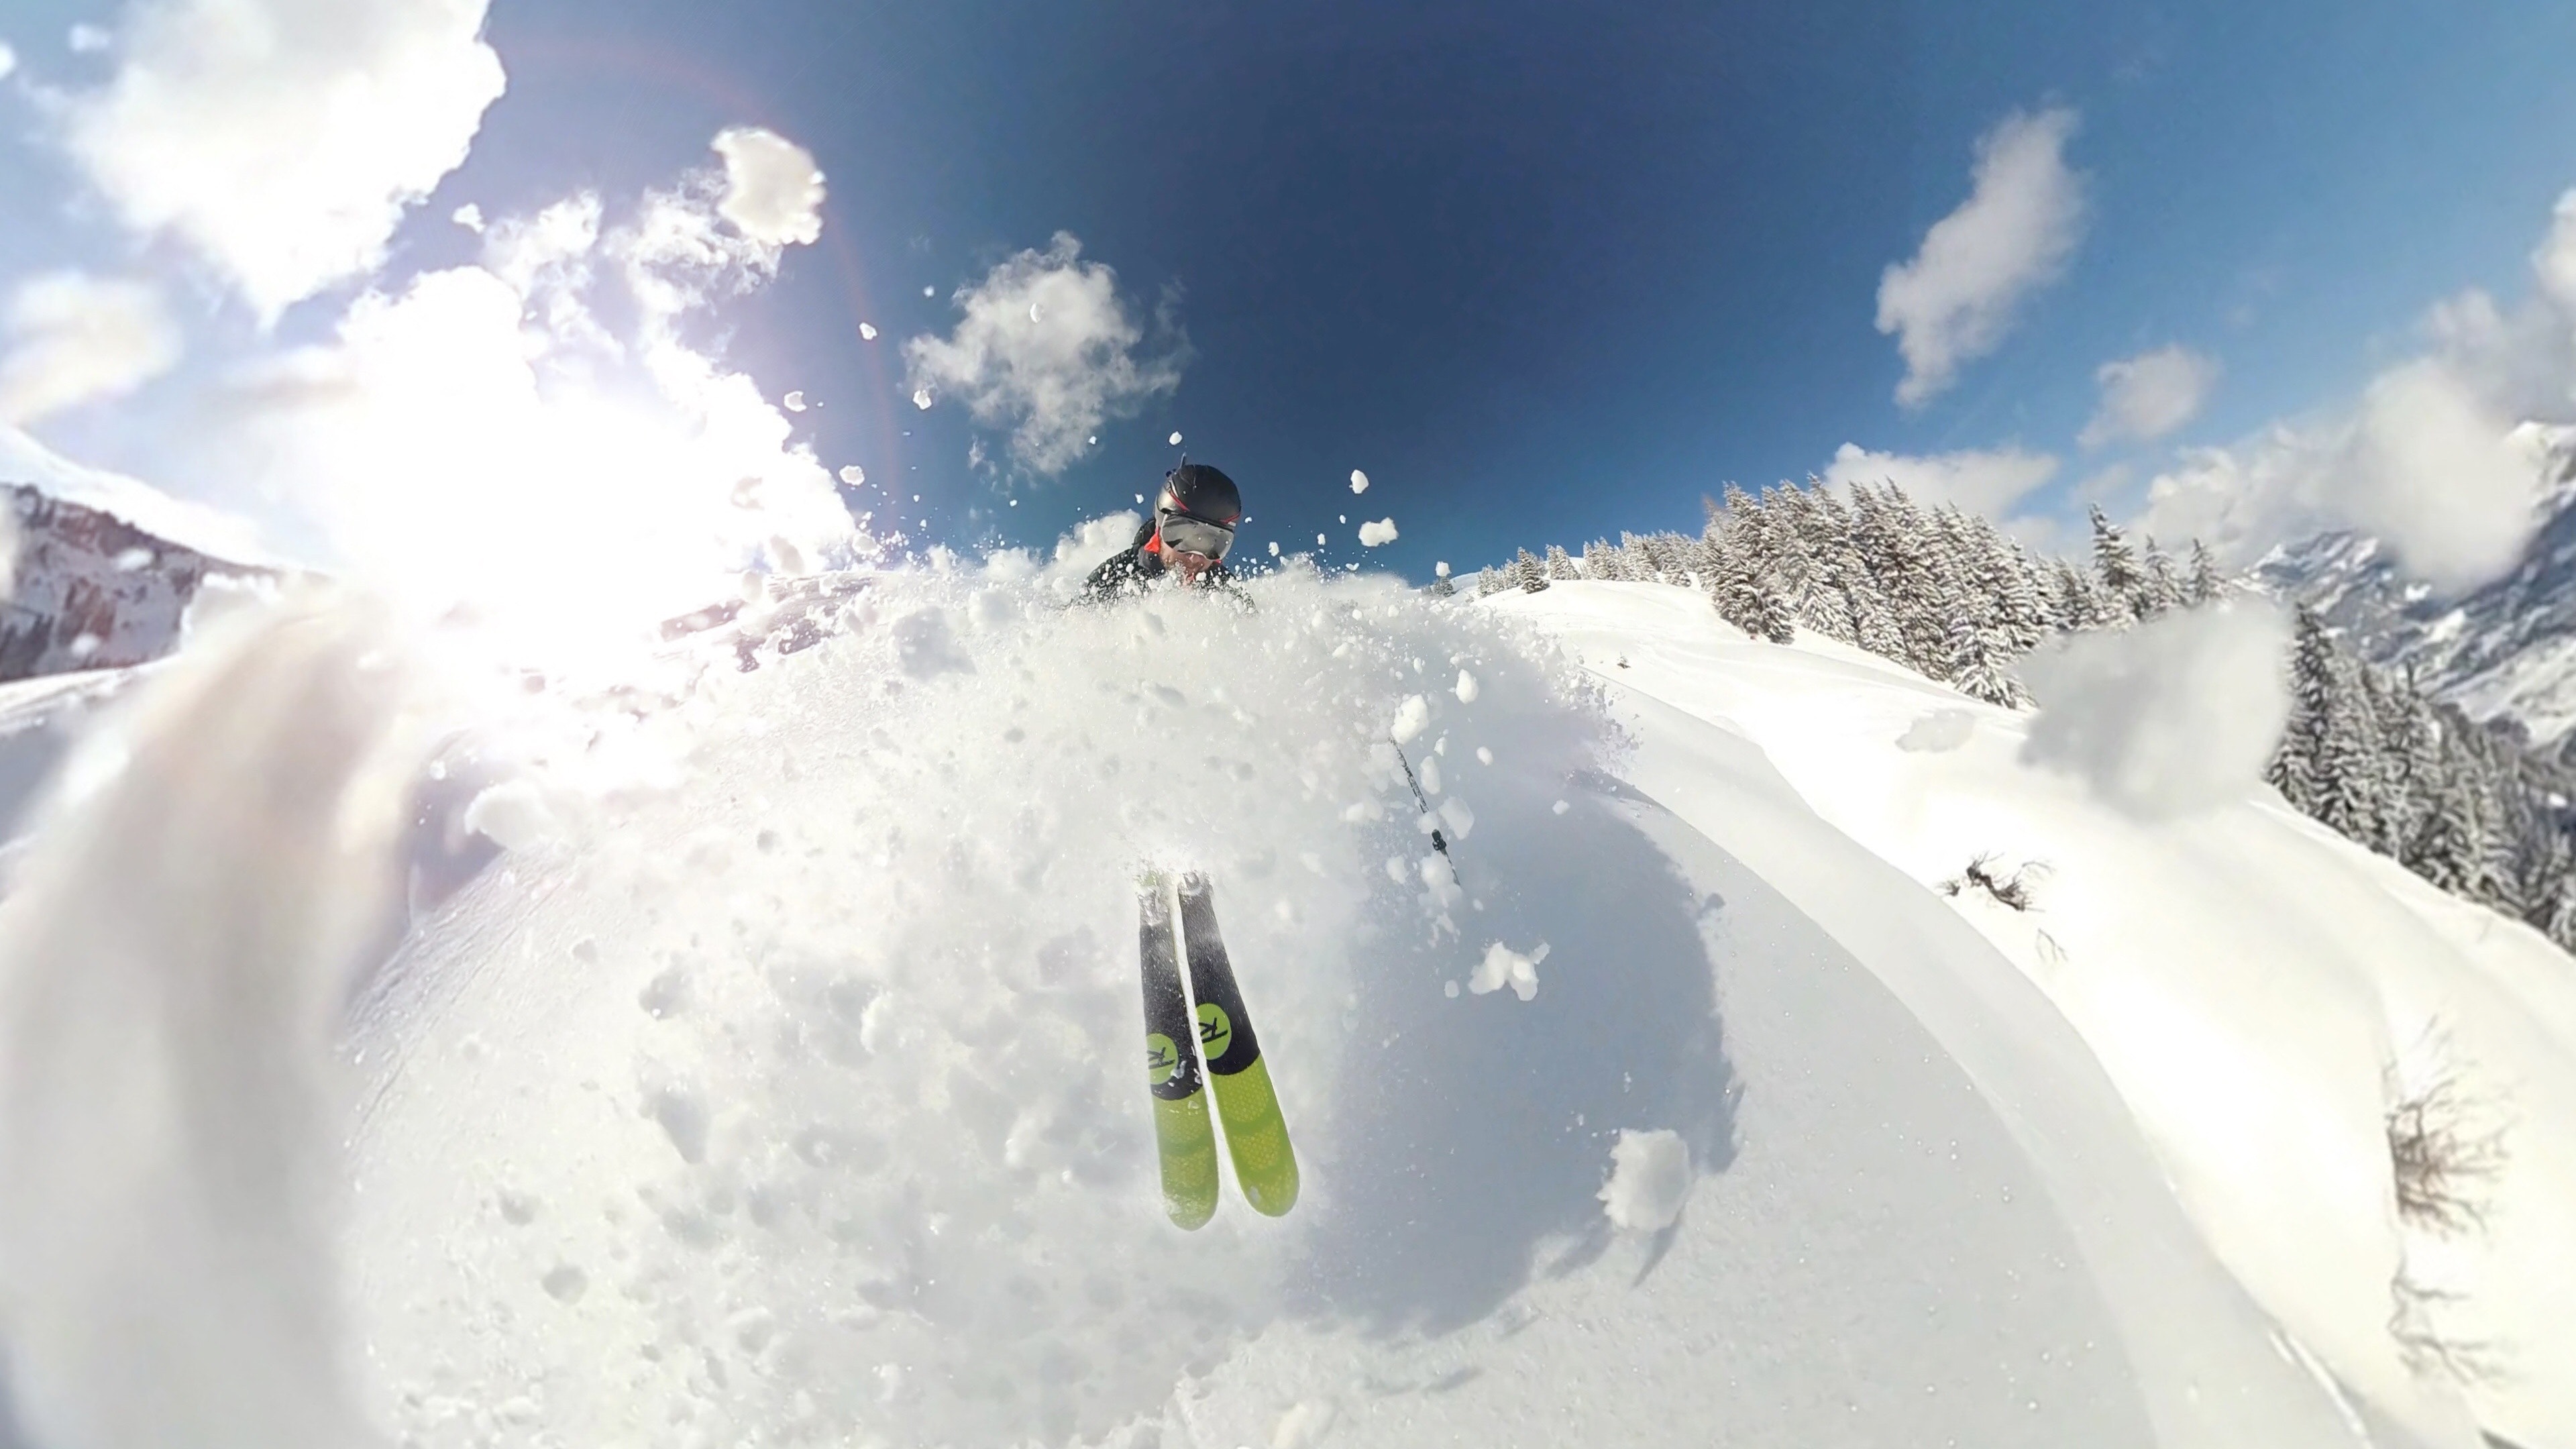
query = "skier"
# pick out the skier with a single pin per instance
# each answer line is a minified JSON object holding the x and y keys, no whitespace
{"x":1188,"y":536}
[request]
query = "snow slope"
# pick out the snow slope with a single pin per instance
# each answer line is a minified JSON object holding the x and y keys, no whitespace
{"x":778,"y":1085}
{"x":2247,"y":979}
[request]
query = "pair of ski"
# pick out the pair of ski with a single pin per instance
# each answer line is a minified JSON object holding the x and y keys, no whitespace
{"x":1218,"y":1030}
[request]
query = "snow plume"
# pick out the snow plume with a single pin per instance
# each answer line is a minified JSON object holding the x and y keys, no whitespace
{"x":2177,"y":715}
{"x":1049,"y":350}
{"x":1957,"y":298}
{"x":281,"y":140}
{"x":2432,"y":457}
{"x":75,"y":338}
{"x":876,"y":1155}
{"x":2148,"y":396}
{"x":173,"y":961}
{"x":483,"y":438}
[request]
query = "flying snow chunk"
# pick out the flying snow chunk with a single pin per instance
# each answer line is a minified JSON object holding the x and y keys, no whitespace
{"x":1373,"y":534}
{"x":921,"y":398}
{"x":512,"y":815}
{"x":853,"y":474}
{"x":468,"y":216}
{"x":773,"y":193}
{"x":794,"y":401}
{"x":8,"y":60}
{"x":867,"y":332}
{"x":1504,"y":966}
{"x":2175,"y":716}
{"x":1274,"y":548}
{"x":1440,"y":569}
{"x":1359,"y":481}
{"x":1467,"y":689}
{"x":1649,"y":1181}
{"x":1411,"y":718}
{"x":1176,"y":440}
{"x":930,"y":291}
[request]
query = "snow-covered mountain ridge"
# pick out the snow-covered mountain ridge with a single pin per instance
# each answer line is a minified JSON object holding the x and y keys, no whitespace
{"x":2505,"y":651}
{"x":92,"y":591}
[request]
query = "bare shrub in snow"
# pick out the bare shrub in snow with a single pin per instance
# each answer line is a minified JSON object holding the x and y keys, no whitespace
{"x":2012,"y":890}
{"x":2427,"y":1347}
{"x":2440,"y":1153}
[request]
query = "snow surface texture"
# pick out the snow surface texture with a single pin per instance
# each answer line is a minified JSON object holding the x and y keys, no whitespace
{"x":2248,"y":981}
{"x":787,"y":1093}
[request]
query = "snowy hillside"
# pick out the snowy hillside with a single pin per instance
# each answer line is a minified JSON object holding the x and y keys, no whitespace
{"x":2506,"y":650}
{"x":779,"y":1083}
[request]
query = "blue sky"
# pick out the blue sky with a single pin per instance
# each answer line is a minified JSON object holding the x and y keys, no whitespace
{"x":1545,"y":273}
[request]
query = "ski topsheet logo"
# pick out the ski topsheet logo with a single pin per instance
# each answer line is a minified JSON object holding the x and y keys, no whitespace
{"x":1216,"y":1030}
{"x":1162,"y":1059}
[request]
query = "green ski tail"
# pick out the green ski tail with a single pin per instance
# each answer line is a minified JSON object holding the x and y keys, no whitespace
{"x":1182,"y":1132}
{"x":1256,"y":1133}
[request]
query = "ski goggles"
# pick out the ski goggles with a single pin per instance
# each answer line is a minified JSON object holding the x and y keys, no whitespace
{"x":1183,"y":534}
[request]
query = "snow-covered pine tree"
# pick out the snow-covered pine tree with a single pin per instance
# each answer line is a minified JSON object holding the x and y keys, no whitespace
{"x":1559,"y":566}
{"x":1529,"y":573}
{"x":2161,"y":587}
{"x":1492,"y":581}
{"x":2298,"y":765}
{"x":2005,"y":576}
{"x":1977,"y":665}
{"x":1601,"y":561}
{"x":2391,"y":725}
{"x":2203,"y":584}
{"x":1638,"y":560}
{"x":1737,"y":592}
{"x":1915,"y":576}
{"x":2348,"y":762}
{"x":2452,"y":841}
{"x":2116,"y":569}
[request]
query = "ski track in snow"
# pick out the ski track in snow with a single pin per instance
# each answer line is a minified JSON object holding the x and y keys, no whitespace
{"x":782,"y":1085}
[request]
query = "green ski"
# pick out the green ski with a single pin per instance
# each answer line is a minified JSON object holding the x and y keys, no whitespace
{"x":1256,"y":1135}
{"x":1186,"y":1141}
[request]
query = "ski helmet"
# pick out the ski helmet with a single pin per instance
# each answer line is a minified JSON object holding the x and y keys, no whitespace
{"x":1195,"y":490}
{"x":1197,"y":510}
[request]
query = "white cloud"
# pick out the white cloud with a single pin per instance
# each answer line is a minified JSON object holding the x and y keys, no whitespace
{"x":2148,"y":396}
{"x":773,"y":191}
{"x":86,"y":39}
{"x":1047,"y":349}
{"x":1955,"y":301}
{"x":1988,"y":481}
{"x":2175,"y":716}
{"x":2432,"y":457}
{"x":281,"y":139}
{"x":75,"y":338}
{"x":2555,"y":261}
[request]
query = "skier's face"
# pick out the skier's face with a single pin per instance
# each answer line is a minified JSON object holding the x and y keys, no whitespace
{"x":1190,"y":566}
